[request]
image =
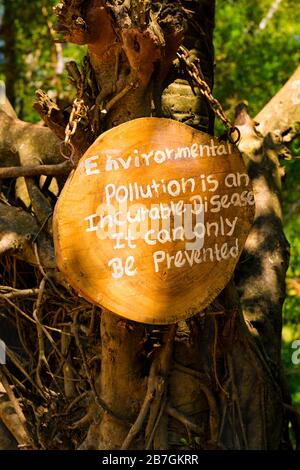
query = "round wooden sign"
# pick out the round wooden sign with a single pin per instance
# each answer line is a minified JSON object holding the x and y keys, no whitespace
{"x":153,"y":220}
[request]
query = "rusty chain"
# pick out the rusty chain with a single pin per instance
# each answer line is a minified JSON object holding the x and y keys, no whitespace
{"x":197,"y":77}
{"x":79,"y":109}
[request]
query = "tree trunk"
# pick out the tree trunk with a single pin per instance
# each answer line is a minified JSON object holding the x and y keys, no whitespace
{"x":215,"y":381}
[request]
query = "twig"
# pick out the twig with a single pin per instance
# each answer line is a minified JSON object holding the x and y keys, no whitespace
{"x":223,"y":420}
{"x":119,"y":96}
{"x":214,"y":355}
{"x":59,"y":169}
{"x":42,"y":357}
{"x":45,"y":275}
{"x":15,"y":293}
{"x":69,"y":386}
{"x":40,"y":204}
{"x":155,"y":390}
{"x":82,"y":423}
{"x":21,"y":333}
{"x":160,"y":414}
{"x":137,"y":426}
{"x":44,"y":223}
{"x":205,"y":386}
{"x":40,"y":330}
{"x":13,"y":380}
{"x":14,"y":402}
{"x":236,"y":399}
{"x":184,"y":420}
{"x":76,"y":400}
{"x":19,"y":366}
{"x":4,"y":297}
{"x":162,"y":363}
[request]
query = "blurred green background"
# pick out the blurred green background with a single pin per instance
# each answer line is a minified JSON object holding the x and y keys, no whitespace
{"x":255,"y":54}
{"x":257,"y":47}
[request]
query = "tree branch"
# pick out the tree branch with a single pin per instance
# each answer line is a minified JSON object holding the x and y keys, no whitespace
{"x":260,"y":274}
{"x":23,"y":144}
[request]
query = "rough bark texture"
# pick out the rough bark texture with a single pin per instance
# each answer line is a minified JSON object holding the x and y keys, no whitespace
{"x":214,"y":381}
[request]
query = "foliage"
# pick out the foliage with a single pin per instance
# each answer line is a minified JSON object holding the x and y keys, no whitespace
{"x":252,"y":64}
{"x":37,"y":60}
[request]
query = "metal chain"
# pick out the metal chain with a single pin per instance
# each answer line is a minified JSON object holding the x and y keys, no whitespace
{"x":79,"y":112}
{"x":198,"y":79}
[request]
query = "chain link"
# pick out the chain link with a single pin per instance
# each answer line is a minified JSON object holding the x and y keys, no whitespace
{"x":198,"y":79}
{"x":79,"y":112}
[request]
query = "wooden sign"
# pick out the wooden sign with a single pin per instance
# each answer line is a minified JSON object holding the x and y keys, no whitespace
{"x":152,"y":222}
